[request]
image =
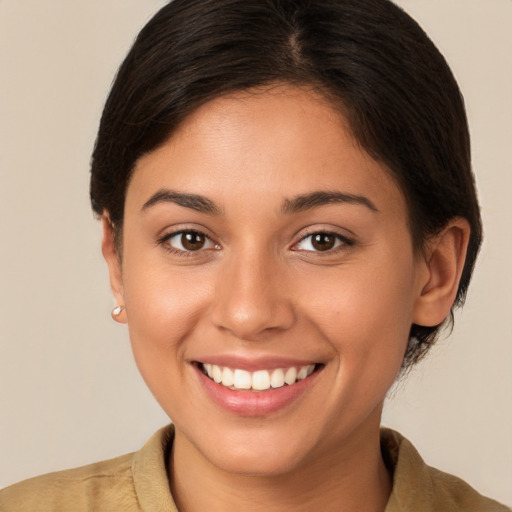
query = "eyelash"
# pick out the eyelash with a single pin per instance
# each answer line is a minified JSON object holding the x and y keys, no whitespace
{"x":165,"y":242}
{"x":343,"y":242}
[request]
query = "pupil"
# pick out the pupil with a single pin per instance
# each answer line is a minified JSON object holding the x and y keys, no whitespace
{"x":192,"y":241}
{"x":323,"y":242}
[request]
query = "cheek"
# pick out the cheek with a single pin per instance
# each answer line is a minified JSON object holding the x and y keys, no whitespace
{"x":163,"y":307}
{"x":157,"y":294}
{"x":361,"y":302}
{"x":366,"y":317}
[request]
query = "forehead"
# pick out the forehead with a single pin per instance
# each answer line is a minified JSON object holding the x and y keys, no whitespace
{"x":277,"y":142}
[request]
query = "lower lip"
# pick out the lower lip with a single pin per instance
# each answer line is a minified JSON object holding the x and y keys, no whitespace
{"x":255,"y":403}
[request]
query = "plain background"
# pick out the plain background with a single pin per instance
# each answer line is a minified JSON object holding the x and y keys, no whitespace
{"x":69,"y":391}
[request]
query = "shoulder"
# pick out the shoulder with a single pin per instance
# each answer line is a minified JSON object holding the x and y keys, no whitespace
{"x":419,"y":487}
{"x":75,"y":489}
{"x":132,"y":483}
{"x":450,"y":489}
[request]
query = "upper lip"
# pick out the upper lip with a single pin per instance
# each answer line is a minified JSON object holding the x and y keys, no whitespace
{"x":252,"y":364}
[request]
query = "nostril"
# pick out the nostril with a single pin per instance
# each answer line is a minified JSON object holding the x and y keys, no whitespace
{"x":250,"y":322}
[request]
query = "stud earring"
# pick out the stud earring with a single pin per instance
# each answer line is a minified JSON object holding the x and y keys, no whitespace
{"x":117,"y":311}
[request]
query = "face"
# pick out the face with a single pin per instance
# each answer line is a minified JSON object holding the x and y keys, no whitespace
{"x":264,"y":247}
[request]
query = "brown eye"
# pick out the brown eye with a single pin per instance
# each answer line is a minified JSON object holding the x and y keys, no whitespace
{"x":192,"y":241}
{"x":323,"y":241}
{"x":189,"y":241}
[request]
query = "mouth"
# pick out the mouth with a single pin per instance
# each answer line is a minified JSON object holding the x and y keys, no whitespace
{"x":261,"y":380}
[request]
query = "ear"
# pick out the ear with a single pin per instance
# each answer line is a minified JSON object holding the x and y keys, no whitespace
{"x":108,"y":248}
{"x":445,"y":256}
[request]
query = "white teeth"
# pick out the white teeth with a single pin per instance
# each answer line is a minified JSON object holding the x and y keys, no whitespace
{"x":260,"y":380}
{"x":228,"y":378}
{"x":217,"y":373}
{"x":305,"y":371}
{"x":301,"y":374}
{"x":277,"y":378}
{"x":290,"y":376}
{"x":242,"y":379}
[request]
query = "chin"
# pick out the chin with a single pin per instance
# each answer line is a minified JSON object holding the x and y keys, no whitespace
{"x":258,"y":464}
{"x":258,"y":452}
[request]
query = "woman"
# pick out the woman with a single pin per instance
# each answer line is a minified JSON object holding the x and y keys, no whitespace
{"x":289,"y":217}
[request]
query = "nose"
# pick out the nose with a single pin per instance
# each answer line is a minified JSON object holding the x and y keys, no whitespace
{"x":252,"y":299}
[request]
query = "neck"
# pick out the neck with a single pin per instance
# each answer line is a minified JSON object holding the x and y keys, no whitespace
{"x":351,"y":479}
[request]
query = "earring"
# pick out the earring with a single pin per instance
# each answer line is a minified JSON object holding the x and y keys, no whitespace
{"x":117,"y":311}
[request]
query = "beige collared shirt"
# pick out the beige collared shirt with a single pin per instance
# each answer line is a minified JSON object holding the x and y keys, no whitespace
{"x":138,"y":482}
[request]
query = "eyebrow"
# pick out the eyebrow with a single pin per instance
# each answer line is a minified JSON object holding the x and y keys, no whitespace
{"x":297,"y":204}
{"x":321,"y":198}
{"x":193,"y":201}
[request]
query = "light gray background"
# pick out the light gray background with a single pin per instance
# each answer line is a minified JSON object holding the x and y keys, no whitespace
{"x":69,"y":391}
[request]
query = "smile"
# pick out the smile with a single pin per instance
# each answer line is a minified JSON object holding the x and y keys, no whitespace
{"x":261,"y":380}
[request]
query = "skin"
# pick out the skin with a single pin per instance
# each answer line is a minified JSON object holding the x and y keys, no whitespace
{"x":259,"y":288}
